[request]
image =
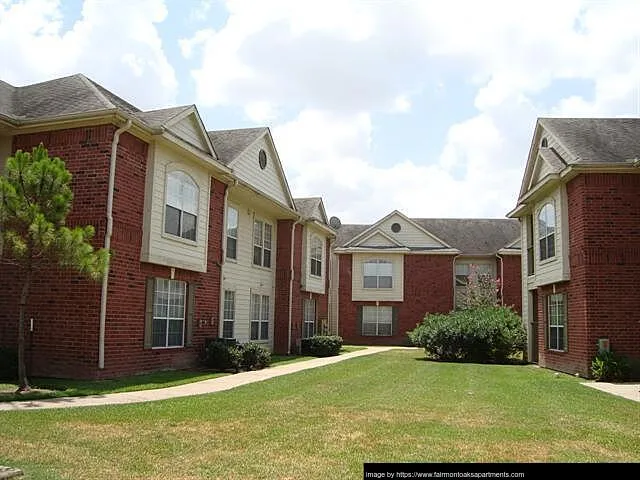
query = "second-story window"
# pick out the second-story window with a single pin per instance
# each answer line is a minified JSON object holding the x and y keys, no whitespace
{"x":547,"y":231}
{"x":262,"y":233}
{"x":232,"y":233}
{"x":181,"y":210}
{"x":316,"y":256}
{"x":377,"y":274}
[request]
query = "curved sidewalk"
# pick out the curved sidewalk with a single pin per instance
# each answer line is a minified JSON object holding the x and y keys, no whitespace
{"x":197,"y":388}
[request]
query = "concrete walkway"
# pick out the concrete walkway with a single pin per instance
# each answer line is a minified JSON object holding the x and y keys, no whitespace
{"x":197,"y":388}
{"x":626,"y":390}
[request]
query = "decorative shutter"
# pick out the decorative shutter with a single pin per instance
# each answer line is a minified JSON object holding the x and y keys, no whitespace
{"x":191,"y":308}
{"x":359,"y":320}
{"x":148,"y":313}
{"x":394,"y":320}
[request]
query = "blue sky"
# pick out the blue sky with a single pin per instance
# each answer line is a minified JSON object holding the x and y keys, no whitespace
{"x":422,"y":106}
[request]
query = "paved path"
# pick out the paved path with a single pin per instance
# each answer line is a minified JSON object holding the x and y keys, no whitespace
{"x":197,"y":388}
{"x":626,"y":390}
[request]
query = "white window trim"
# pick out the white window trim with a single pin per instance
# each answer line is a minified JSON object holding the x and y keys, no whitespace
{"x":378,"y":309}
{"x":170,"y":235}
{"x":225,"y":319}
{"x":316,"y":242}
{"x":227,"y":236}
{"x":563,"y":298}
{"x":261,"y":315}
{"x":167,"y":319}
{"x":540,"y":237}
{"x":305,"y":320}
{"x":377,"y":261}
{"x":264,"y":223}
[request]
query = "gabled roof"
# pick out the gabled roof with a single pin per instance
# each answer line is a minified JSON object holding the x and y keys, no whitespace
{"x":596,"y":140}
{"x":310,"y":207}
{"x":229,"y":144}
{"x":159,"y":118}
{"x":472,"y":236}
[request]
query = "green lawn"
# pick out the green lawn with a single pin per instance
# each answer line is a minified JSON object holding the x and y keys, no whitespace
{"x":324,"y":423}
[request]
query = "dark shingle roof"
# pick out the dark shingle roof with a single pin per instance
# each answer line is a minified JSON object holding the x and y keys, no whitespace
{"x":228,"y":144}
{"x":58,"y":97}
{"x":307,"y":206}
{"x":472,"y":236}
{"x":157,"y":118}
{"x":597,"y":140}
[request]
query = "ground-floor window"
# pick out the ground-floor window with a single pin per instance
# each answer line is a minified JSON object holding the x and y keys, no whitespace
{"x":309,"y":317}
{"x":377,"y":320}
{"x":169,"y":298}
{"x":259,"y":317}
{"x":228,"y":313}
{"x":557,"y":321}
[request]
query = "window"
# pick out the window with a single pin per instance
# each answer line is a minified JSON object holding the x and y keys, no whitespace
{"x":378,"y":274}
{"x":228,"y":314}
{"x":557,"y":318}
{"x":181,"y":211}
{"x":530,"y":258}
{"x":168,"y":313}
{"x":262,"y":243}
{"x":316,"y":256}
{"x":232,"y":233}
{"x":546,"y":231}
{"x":259,"y":317}
{"x":463,"y":270}
{"x":377,"y":321}
{"x":544,"y":143}
{"x":309,"y":317}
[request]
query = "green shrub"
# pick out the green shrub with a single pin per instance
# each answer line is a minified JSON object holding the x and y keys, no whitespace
{"x":8,"y":364}
{"x":218,"y":354}
{"x":255,"y":356}
{"x":609,"y":367}
{"x":483,"y":334}
{"x":322,"y":345}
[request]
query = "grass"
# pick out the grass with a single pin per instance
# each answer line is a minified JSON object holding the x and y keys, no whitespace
{"x":324,"y":423}
{"x":57,"y":388}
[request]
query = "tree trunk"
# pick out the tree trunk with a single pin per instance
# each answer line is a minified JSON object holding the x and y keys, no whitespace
{"x":23,"y":382}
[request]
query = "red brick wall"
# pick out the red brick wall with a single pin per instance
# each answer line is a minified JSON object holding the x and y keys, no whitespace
{"x":66,"y":306}
{"x":511,"y":282}
{"x":428,"y":288}
{"x":604,"y":249}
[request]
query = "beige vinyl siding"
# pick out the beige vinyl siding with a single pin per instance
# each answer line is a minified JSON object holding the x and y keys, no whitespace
{"x":540,"y":170}
{"x":310,"y":282}
{"x":189,"y":130}
{"x":409,"y":235}
{"x":269,"y":180}
{"x":555,"y":269}
{"x":359,"y":293}
{"x":378,"y":240}
{"x":159,"y":247}
{"x":242,"y":277}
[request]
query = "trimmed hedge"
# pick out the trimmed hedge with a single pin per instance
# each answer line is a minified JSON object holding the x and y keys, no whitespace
{"x":223,"y":354}
{"x":490,"y":334}
{"x":8,"y":364}
{"x":322,"y":345}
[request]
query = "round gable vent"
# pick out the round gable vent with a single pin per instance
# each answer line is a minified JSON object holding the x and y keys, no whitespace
{"x":262,"y":159}
{"x":395,"y":227}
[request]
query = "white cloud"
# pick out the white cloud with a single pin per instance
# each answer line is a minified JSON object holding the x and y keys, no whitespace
{"x":115,"y":43}
{"x":188,"y":45}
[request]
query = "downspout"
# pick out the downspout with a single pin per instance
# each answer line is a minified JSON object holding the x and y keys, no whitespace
{"x":501,"y":278}
{"x":291,"y":275}
{"x":107,"y":240}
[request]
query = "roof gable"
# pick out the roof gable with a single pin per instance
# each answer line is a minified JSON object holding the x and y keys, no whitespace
{"x":378,"y":239}
{"x":229,"y":144}
{"x":406,"y":233}
{"x":312,"y":208}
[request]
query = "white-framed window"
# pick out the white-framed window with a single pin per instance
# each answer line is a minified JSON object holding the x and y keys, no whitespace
{"x":169,"y":310}
{"x":463,"y":270}
{"x":531,"y":269}
{"x":262,"y":235}
{"x":316,"y":256}
{"x":377,"y":321}
{"x":232,"y":233}
{"x":259,"y":317}
{"x":557,"y":319}
{"x":546,"y":231}
{"x":377,"y":274}
{"x":181,"y":209}
{"x":228,"y":313}
{"x":309,"y":317}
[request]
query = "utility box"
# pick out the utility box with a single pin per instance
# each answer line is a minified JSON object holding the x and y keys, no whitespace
{"x":603,"y":345}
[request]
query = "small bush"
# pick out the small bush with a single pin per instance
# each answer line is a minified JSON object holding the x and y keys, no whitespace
{"x":322,"y":345}
{"x":218,"y":354}
{"x":484,"y":334}
{"x":609,"y":367}
{"x":8,"y":364}
{"x":255,"y":356}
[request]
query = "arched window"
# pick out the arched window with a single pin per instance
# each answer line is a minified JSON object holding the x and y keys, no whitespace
{"x":544,"y":143}
{"x":181,"y":211}
{"x":377,"y":274}
{"x":547,"y":231}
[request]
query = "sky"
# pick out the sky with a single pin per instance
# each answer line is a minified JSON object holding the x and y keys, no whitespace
{"x":424,"y":106}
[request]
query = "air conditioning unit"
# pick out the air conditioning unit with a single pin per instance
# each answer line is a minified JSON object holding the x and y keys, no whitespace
{"x":603,"y":345}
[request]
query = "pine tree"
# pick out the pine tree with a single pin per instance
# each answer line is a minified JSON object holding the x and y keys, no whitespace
{"x":35,"y":198}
